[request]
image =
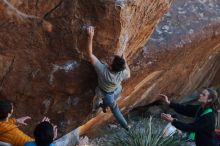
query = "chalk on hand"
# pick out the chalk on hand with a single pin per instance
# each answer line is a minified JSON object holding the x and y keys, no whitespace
{"x":84,"y":27}
{"x":47,"y":26}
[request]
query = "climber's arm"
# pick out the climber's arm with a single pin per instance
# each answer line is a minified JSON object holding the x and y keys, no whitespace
{"x":92,"y":58}
{"x":127,"y":71}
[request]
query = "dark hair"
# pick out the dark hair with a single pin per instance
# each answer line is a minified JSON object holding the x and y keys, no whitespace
{"x":118,"y":64}
{"x":5,"y":109}
{"x":44,"y":134}
{"x":214,"y":96}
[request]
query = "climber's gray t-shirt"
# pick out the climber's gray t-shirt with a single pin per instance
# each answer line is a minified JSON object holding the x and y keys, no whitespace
{"x":107,"y":80}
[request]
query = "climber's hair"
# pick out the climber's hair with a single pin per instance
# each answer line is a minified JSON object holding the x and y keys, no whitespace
{"x":118,"y":64}
{"x":214,"y":96}
{"x":44,"y":134}
{"x":5,"y":108}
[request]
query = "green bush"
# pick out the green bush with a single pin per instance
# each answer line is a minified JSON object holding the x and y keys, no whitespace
{"x":148,"y":134}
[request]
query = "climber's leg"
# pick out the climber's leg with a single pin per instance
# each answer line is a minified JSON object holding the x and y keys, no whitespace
{"x":109,"y":100}
{"x":118,"y":115}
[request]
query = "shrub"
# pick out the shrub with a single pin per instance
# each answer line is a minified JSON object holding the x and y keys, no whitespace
{"x":148,"y":134}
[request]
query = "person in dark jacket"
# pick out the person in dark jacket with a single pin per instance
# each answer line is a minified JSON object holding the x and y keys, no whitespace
{"x":203,"y":127}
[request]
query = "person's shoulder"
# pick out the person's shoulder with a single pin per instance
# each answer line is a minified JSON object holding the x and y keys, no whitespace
{"x":30,"y":143}
{"x":8,"y":125}
{"x":123,"y":74}
{"x":208,"y":116}
{"x":105,"y":67}
{"x":103,"y":63}
{"x":125,"y":71}
{"x":100,"y":64}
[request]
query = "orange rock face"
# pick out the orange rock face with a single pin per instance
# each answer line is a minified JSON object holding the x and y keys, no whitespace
{"x":43,"y":67}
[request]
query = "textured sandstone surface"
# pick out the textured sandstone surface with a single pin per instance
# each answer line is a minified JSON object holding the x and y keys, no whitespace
{"x":47,"y":73}
{"x":184,"y":47}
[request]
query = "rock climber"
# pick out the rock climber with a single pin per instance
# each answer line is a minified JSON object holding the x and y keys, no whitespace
{"x":109,"y":81}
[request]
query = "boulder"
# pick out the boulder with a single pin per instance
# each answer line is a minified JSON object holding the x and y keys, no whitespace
{"x":43,"y":66}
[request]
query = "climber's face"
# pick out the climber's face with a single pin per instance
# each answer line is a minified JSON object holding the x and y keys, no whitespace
{"x":203,"y":96}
